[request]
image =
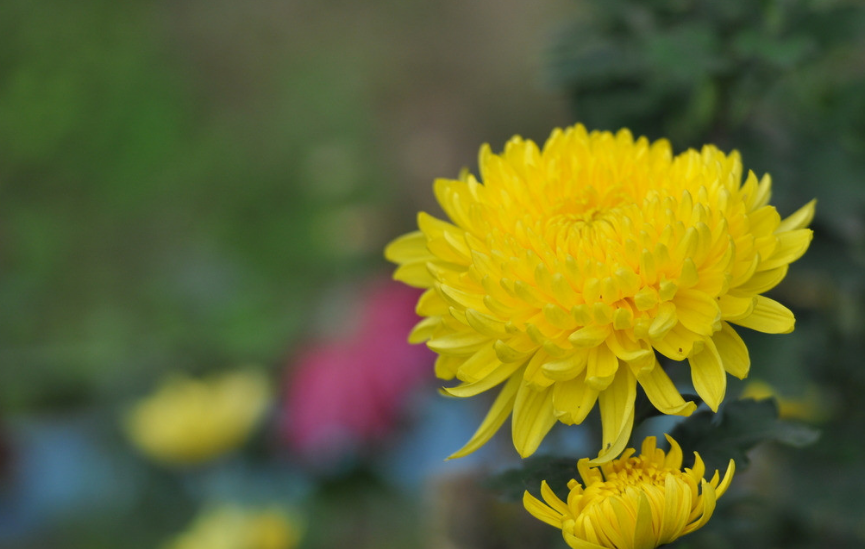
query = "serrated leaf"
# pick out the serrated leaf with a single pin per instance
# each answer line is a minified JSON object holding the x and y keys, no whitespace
{"x":737,"y":428}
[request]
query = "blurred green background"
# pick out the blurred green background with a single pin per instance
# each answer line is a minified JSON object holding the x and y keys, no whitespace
{"x":195,"y":186}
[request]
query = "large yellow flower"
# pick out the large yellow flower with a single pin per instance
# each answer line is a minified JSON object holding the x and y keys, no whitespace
{"x":565,"y":272}
{"x":634,"y":502}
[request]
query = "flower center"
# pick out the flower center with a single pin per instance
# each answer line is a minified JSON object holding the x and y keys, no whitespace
{"x":632,"y":476}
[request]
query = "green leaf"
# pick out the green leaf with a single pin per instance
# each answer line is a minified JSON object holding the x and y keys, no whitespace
{"x":557,"y":471}
{"x":738,"y":427}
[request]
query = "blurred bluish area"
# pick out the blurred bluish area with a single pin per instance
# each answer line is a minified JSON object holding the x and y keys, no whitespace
{"x":195,"y":187}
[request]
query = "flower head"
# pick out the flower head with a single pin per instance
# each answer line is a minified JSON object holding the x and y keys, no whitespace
{"x":633,"y":502}
{"x":190,"y":421}
{"x":571,"y":267}
{"x":230,"y":526}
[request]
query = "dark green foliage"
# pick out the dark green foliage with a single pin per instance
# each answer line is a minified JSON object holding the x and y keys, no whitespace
{"x":738,"y":427}
{"x":557,"y":471}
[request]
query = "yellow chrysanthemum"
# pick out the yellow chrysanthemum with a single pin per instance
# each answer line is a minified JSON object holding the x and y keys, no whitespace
{"x":633,"y":502}
{"x":230,"y":526}
{"x":191,"y":421}
{"x":563,"y":273}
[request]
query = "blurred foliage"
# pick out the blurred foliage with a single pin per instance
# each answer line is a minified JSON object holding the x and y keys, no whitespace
{"x":145,"y":224}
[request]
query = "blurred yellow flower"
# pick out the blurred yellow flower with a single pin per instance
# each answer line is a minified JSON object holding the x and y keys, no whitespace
{"x":633,"y":502}
{"x":809,"y":407}
{"x":191,"y":421}
{"x":233,"y":527}
{"x":569,"y":267}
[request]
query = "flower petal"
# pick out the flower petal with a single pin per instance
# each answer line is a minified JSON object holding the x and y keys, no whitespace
{"x":499,"y":412}
{"x":663,"y":394}
{"x":552,"y":499}
{"x":733,"y":351}
{"x":576,"y":543}
{"x":414,"y":273}
{"x":601,"y":367}
{"x":769,"y":317}
{"x":791,"y":246}
{"x":709,"y":500}
{"x":698,"y":312}
{"x":644,"y":535}
{"x":473,"y":388}
{"x":567,"y":367}
{"x":533,"y":418}
{"x":798,"y":220}
{"x":573,"y":400}
{"x":408,"y":248}
{"x":708,"y":375}
{"x":617,"y":415}
{"x":541,"y":511}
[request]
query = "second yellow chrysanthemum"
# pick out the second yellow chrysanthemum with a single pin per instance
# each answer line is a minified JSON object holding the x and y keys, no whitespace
{"x":635,"y":502}
{"x":565,"y":272}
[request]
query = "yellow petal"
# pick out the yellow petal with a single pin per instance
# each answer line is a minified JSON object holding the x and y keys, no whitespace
{"x":446,"y":366}
{"x":573,"y":400}
{"x":464,"y":343}
{"x":678,"y":343}
{"x":708,"y":375}
{"x":769,"y":317}
{"x":733,"y":351}
{"x":671,"y":515}
{"x":601,"y":367}
{"x":762,"y":282}
{"x":728,"y":478}
{"x":644,"y":535}
{"x":566,"y":368}
{"x":533,"y":418}
{"x":625,"y":349}
{"x":674,"y":456}
{"x":734,"y":307}
{"x":664,"y":321}
{"x":431,"y":303}
{"x":589,"y":336}
{"x":552,"y":499}
{"x":697,"y":311}
{"x":486,"y":324}
{"x":497,"y":415}
{"x":791,"y":246}
{"x":802,"y":218}
{"x":615,"y":531}
{"x":540,"y":511}
{"x":663,"y":394}
{"x":617,"y":415}
{"x":462,"y":299}
{"x":415,"y":274}
{"x":709,"y":500}
{"x":479,"y":365}
{"x":473,"y":388}
{"x":408,"y":248}
{"x":424,"y":329}
{"x":578,"y":543}
{"x":514,"y":350}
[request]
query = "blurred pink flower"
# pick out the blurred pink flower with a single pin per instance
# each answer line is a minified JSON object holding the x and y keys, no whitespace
{"x":350,"y":391}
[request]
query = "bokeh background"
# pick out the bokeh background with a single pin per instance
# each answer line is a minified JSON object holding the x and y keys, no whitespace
{"x":193,"y":189}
